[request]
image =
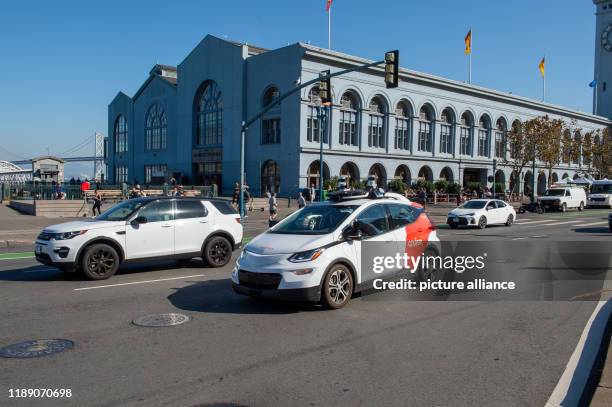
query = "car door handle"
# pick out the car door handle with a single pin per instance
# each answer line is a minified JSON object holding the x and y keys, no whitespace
{"x":166,"y":226}
{"x":203,"y":221}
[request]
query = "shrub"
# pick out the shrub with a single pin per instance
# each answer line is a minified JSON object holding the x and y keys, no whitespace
{"x":421,"y":183}
{"x":441,"y":185}
{"x":452,"y":188}
{"x":473,"y":186}
{"x":332,"y":182}
{"x":397,"y":185}
{"x":359,"y":185}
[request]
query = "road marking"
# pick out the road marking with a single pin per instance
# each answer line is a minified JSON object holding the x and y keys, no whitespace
{"x":14,"y":256}
{"x":137,"y":282}
{"x":556,"y":223}
{"x":529,"y":221}
{"x":519,"y":238}
{"x":593,"y":224}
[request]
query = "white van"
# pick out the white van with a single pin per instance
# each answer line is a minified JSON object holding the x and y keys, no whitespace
{"x":601,"y":194}
{"x":563,"y":198}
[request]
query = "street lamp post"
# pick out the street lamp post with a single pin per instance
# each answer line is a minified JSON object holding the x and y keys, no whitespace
{"x":494,"y":173}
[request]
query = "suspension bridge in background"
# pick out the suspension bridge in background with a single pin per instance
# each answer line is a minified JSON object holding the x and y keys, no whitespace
{"x":11,"y":171}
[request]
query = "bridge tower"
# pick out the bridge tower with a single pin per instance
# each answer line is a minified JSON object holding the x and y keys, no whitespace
{"x":99,"y":163}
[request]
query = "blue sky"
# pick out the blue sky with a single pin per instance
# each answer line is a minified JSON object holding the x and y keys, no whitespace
{"x":63,"y":61}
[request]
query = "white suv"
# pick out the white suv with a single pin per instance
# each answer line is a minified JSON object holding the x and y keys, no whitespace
{"x":314,"y":254}
{"x":143,"y":229}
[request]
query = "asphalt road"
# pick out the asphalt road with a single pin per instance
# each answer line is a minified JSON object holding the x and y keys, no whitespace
{"x":245,"y":352}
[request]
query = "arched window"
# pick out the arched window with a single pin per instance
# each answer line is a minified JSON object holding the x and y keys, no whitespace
{"x":348,"y":119}
{"x":313,"y":124}
{"x":484,"y":131}
{"x":270,"y":124}
{"x":376,"y":126}
{"x":447,"y":131}
{"x":402,"y":126}
{"x":121,"y":134}
{"x":500,"y":138}
{"x":515,"y":145}
{"x":209,"y":115}
{"x":270,"y":177}
{"x":465,"y":134}
{"x":155,"y":128}
{"x":425,"y":128}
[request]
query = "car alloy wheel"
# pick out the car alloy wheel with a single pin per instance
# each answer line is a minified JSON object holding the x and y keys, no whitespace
{"x":581,"y":207}
{"x":218,"y":251}
{"x":100,"y":261}
{"x":563,"y":207}
{"x":510,"y":220}
{"x":482,"y":222}
{"x":338,"y":287}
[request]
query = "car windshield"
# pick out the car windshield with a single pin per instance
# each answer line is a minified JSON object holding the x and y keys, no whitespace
{"x":314,"y":220}
{"x":474,"y":205}
{"x":554,"y":192}
{"x":122,"y":210}
{"x":601,"y":189}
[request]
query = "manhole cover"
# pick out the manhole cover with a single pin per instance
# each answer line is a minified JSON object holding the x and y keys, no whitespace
{"x":157,"y":320}
{"x":36,"y":348}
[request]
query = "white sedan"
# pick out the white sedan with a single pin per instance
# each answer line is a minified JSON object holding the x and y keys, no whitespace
{"x":482,"y":212}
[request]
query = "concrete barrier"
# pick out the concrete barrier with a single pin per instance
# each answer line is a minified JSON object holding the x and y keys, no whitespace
{"x":53,"y":209}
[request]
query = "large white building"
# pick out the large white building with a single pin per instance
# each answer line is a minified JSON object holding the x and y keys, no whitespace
{"x":184,"y":122}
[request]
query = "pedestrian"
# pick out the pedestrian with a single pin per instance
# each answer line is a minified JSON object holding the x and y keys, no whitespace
{"x":247,"y":198}
{"x":273,"y":206}
{"x":301,"y":201}
{"x":97,"y":203}
{"x":235,"y":194}
{"x":459,"y":199}
{"x":312,"y":192}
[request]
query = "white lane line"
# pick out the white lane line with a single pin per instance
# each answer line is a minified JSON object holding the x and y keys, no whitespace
{"x":556,"y":223}
{"x":137,"y":282}
{"x":529,"y":221}
{"x":593,"y":224}
{"x":519,"y":238}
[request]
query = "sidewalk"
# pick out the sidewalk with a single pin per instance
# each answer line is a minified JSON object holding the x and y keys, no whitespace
{"x":603,"y":391}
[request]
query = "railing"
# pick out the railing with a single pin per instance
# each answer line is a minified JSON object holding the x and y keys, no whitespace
{"x":44,"y":191}
{"x":435,"y":198}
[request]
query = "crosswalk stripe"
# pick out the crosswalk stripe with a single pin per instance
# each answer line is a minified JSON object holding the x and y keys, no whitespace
{"x":556,"y":223}
{"x":529,"y":221}
{"x":593,"y":224}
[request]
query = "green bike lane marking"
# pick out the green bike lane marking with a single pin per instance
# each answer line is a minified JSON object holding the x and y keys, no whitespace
{"x":14,"y":256}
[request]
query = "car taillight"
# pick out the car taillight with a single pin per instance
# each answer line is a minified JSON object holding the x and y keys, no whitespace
{"x":237,"y":220}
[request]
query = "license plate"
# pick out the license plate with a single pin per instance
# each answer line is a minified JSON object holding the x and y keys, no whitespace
{"x":38,"y":250}
{"x":455,"y":220}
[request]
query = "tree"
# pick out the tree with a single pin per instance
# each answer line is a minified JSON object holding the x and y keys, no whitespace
{"x":601,"y":153}
{"x":548,"y":142}
{"x":520,"y":148}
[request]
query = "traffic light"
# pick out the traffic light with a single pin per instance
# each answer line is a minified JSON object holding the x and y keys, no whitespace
{"x":391,"y":69}
{"x":325,"y":88}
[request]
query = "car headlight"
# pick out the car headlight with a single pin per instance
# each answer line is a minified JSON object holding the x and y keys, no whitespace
{"x":308,"y":255}
{"x":68,"y":235}
{"x":469,"y":214}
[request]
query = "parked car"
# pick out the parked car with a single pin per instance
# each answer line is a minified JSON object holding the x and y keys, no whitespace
{"x":481,"y":213}
{"x":314,"y":254}
{"x":142,"y":229}
{"x":563,"y":198}
{"x":601,"y":194}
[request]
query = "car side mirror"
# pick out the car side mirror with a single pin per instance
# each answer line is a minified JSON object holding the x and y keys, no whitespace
{"x":352,"y":232}
{"x":139,"y":220}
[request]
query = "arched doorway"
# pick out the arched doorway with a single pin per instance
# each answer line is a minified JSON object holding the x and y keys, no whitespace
{"x":447,"y":174}
{"x":381,"y":175}
{"x":576,"y":176}
{"x":541,"y":183}
{"x":565,"y":176}
{"x":500,"y":179}
{"x":425,"y":173}
{"x":528,"y":183}
{"x":270,"y":177}
{"x":314,"y":173}
{"x":350,"y":171}
{"x":555,"y":178}
{"x":515,"y":181}
{"x":403,"y":174}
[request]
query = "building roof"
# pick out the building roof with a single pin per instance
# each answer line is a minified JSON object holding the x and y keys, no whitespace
{"x":6,"y":166}
{"x":453,"y":85}
{"x":48,"y":157}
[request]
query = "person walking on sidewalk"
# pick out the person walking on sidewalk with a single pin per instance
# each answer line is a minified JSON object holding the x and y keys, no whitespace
{"x":301,"y":201}
{"x":273,"y":206}
{"x":97,"y":203}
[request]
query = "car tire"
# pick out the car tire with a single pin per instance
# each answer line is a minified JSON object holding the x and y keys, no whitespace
{"x":337,"y":287}
{"x":581,"y":207}
{"x":563,"y":207}
{"x":217,"y":251}
{"x":425,"y":273}
{"x":482,"y":222}
{"x":99,"y":262}
{"x":453,"y":225}
{"x":510,"y":220}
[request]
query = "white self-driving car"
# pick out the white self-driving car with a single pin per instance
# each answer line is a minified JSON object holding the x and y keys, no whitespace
{"x":314,"y":254}
{"x":482,"y":212}
{"x":143,"y":229}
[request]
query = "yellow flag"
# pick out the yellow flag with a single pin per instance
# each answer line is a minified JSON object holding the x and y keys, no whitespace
{"x":542,"y":66}
{"x":468,"y":42}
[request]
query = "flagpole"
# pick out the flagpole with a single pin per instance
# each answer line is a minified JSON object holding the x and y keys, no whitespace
{"x":595,"y":104}
{"x":471,"y":49}
{"x":329,"y":28}
{"x":544,"y":87}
